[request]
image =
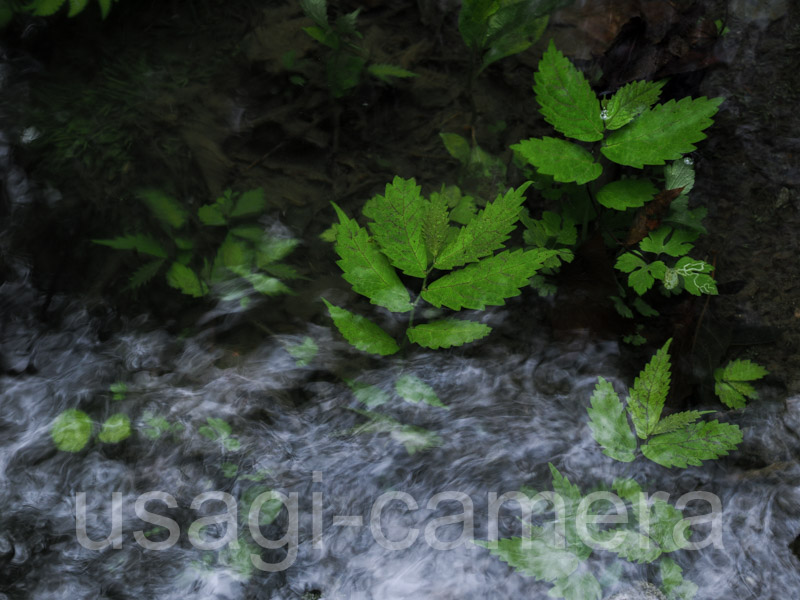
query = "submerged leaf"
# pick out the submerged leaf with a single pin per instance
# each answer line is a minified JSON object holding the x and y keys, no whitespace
{"x":115,"y":429}
{"x":360,"y":332}
{"x":691,"y":445}
{"x":412,"y":389}
{"x":71,"y":430}
{"x":609,"y":423}
{"x":534,"y":558}
{"x":731,"y":382}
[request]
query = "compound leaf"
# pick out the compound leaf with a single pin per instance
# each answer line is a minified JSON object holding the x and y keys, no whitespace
{"x":447,"y":333}
{"x":665,"y":132}
{"x":626,"y":193}
{"x":366,"y":268}
{"x":650,"y":389}
{"x":642,"y":275}
{"x":609,"y":423}
{"x":488,"y":282}
{"x":696,"y":278}
{"x":360,"y":332}
{"x":398,"y":217}
{"x":677,"y":245}
{"x":694,"y":443}
{"x":484,"y":233}
{"x":630,"y":101}
{"x":565,"y":161}
{"x":566,"y":99}
{"x":731,"y":382}
{"x":71,"y":430}
{"x":533,"y":557}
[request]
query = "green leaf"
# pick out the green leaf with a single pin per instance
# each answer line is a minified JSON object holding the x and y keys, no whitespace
{"x":248,"y":232}
{"x":486,"y":232}
{"x":472,"y":21}
{"x":578,"y":586}
{"x":488,"y":282}
{"x":635,"y":548}
{"x":105,"y":7}
{"x":571,"y":496}
{"x":211,"y":214}
{"x":184,"y":279}
{"x":369,"y":395}
{"x":271,"y":249}
{"x":679,"y":174}
{"x":626,"y":193}
{"x":551,"y":227}
{"x":269,"y":286}
{"x":677,"y":245}
{"x":650,"y":389}
{"x":384,"y":72}
{"x":731,"y":382}
{"x":630,"y":101}
{"x":536,"y":558}
{"x":116,"y":428}
{"x":45,"y":8}
{"x":304,"y":352}
{"x":642,"y":275}
{"x":672,"y":582}
{"x":412,"y":389}
{"x":317,"y":10}
{"x":164,"y":208}
{"x":609,"y":424}
{"x":413,"y":438}
{"x":447,"y":333}
{"x":663,"y":519}
{"x":457,"y":146}
{"x":76,"y":6}
{"x":360,"y":332}
{"x":665,"y":132}
{"x":695,"y":275}
{"x":251,"y":202}
{"x":398,"y":217}
{"x":566,"y":99}
{"x":435,"y":227}
{"x":563,"y":160}
{"x":139,"y":242}
{"x":693,"y":444}
{"x":71,"y":430}
{"x":366,"y":268}
{"x":144,"y":274}
{"x":677,"y":421}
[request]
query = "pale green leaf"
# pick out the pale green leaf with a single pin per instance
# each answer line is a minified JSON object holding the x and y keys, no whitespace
{"x":663,"y":519}
{"x":139,"y":242}
{"x":369,"y":395}
{"x":486,"y":232}
{"x":677,"y":245}
{"x":211,"y":214}
{"x":317,"y":10}
{"x":534,"y":558}
{"x":251,"y":202}
{"x":399,"y":216}
{"x":565,"y":161}
{"x":71,"y":430}
{"x":412,"y":389}
{"x":672,"y":582}
{"x":646,"y":398}
{"x":184,"y":279}
{"x":626,"y":193}
{"x":249,"y":232}
{"x":366,"y":268}
{"x":665,"y":132}
{"x":116,"y":428}
{"x":488,"y":282}
{"x":679,"y":174}
{"x":694,"y":443}
{"x":164,"y":208}
{"x":269,"y":286}
{"x":412,"y":437}
{"x":566,"y":98}
{"x":571,"y":496}
{"x":695,"y":275}
{"x":677,"y":421}
{"x":360,"y":332}
{"x":731,"y":382}
{"x":578,"y":586}
{"x":630,"y":101}
{"x":145,"y":273}
{"x":385,"y":72}
{"x":609,"y":423}
{"x":271,"y":249}
{"x":457,"y":146}
{"x":304,"y":352}
{"x":635,"y":547}
{"x":447,"y":333}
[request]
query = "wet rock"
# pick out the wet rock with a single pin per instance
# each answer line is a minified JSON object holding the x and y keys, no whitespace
{"x":642,"y":591}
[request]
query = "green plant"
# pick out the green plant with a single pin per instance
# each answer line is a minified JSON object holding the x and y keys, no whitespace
{"x":415,"y":235}
{"x":46,"y":8}
{"x":220,"y":431}
{"x":653,"y":230}
{"x":676,"y":440}
{"x":223,"y":247}
{"x":732,"y":382}
{"x":347,"y":59}
{"x":556,"y":551}
{"x":72,"y":430}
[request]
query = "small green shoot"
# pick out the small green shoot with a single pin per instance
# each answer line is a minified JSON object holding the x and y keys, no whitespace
{"x":71,"y":430}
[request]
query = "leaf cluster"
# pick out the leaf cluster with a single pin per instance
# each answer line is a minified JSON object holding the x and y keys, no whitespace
{"x":676,"y":440}
{"x":347,"y":59}
{"x":220,"y":245}
{"x":417,"y":237}
{"x":732,"y":382}
{"x":632,"y":130}
{"x":72,"y":430}
{"x":645,"y":538}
